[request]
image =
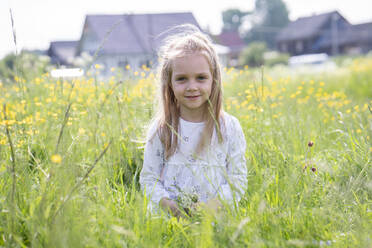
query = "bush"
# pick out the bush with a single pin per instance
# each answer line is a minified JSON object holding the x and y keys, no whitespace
{"x":275,"y":58}
{"x":27,"y":65}
{"x":253,"y":55}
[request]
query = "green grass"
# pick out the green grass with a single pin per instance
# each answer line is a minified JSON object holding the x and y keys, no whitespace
{"x":76,"y":202}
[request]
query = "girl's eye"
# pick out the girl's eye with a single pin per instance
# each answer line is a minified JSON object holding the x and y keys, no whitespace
{"x":180,"y":79}
{"x":202,"y":78}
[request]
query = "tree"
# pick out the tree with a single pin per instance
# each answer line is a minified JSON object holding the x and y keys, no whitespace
{"x":269,"y":17}
{"x":232,"y":19}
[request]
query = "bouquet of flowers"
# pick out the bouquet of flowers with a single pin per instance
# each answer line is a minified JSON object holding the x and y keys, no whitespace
{"x":187,"y":201}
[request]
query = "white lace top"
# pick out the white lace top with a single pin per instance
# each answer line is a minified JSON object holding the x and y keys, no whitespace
{"x":220,"y":171}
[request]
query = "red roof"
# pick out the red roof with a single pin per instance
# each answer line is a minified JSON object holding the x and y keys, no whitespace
{"x":231,"y":39}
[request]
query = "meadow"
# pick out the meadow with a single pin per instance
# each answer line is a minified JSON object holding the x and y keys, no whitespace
{"x":71,"y":152}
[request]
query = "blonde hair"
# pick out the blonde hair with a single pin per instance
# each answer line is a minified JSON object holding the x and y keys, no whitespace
{"x":189,"y":41}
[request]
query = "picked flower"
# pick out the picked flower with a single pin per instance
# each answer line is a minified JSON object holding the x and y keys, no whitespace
{"x":186,"y":200}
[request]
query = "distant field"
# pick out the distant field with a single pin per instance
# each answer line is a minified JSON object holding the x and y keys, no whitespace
{"x":71,"y":152}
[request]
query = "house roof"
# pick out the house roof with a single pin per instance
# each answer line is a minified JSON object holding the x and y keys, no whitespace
{"x":62,"y":51}
{"x":305,"y":27}
{"x":134,"y":33}
{"x":359,"y":33}
{"x":231,"y":39}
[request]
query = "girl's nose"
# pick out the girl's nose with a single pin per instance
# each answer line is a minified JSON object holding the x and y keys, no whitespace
{"x":192,"y":85}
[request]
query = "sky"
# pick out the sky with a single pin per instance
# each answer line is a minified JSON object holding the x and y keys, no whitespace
{"x":38,"y":22}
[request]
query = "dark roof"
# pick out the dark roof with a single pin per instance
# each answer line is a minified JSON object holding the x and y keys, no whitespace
{"x":134,"y":33}
{"x":231,"y":39}
{"x":357,"y":33}
{"x":305,"y":27}
{"x":354,"y":34}
{"x":62,"y":51}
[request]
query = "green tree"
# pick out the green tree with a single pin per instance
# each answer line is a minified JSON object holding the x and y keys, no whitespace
{"x":269,"y":17}
{"x":232,"y":19}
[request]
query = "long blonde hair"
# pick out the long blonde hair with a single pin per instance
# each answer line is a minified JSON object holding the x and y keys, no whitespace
{"x":189,"y":41}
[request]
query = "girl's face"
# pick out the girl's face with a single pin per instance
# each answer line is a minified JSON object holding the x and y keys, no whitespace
{"x":192,"y":85}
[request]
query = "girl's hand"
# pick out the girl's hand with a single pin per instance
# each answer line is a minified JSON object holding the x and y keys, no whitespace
{"x":171,"y":206}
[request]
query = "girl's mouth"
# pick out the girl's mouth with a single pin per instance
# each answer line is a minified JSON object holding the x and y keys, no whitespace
{"x":191,"y":97}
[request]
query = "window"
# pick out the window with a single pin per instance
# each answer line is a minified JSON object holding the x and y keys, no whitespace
{"x":123,"y":64}
{"x":299,"y":46}
{"x":284,"y":47}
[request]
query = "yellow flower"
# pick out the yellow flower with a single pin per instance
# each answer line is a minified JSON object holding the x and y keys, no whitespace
{"x":81,"y":131}
{"x":56,"y":158}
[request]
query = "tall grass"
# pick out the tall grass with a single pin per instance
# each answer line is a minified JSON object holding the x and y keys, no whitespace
{"x":73,"y":189}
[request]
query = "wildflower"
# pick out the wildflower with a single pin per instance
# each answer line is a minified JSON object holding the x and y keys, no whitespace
{"x":56,"y":158}
{"x":81,"y":131}
{"x":310,"y":144}
{"x":313,"y":169}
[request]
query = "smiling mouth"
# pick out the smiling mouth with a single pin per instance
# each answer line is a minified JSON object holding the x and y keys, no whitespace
{"x":191,"y":97}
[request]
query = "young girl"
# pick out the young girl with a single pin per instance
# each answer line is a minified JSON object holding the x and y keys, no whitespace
{"x":193,"y":147}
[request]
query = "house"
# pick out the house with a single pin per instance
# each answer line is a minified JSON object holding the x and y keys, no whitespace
{"x":62,"y":52}
{"x":130,"y":39}
{"x":356,"y":39}
{"x":328,"y":33}
{"x":308,"y":34}
{"x":122,"y":40}
{"x":235,"y":44}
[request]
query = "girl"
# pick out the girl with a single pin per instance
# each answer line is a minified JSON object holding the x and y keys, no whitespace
{"x":193,"y":147}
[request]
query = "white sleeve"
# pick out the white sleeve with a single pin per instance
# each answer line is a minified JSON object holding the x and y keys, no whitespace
{"x":150,"y":177}
{"x":236,"y":179}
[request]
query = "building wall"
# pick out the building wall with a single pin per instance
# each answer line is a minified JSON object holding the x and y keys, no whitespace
{"x":135,"y":61}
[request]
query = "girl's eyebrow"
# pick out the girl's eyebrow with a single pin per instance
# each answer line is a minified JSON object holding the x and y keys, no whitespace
{"x":179,"y":75}
{"x":198,"y":73}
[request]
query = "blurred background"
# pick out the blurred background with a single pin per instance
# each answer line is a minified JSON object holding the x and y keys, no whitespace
{"x":72,"y":34}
